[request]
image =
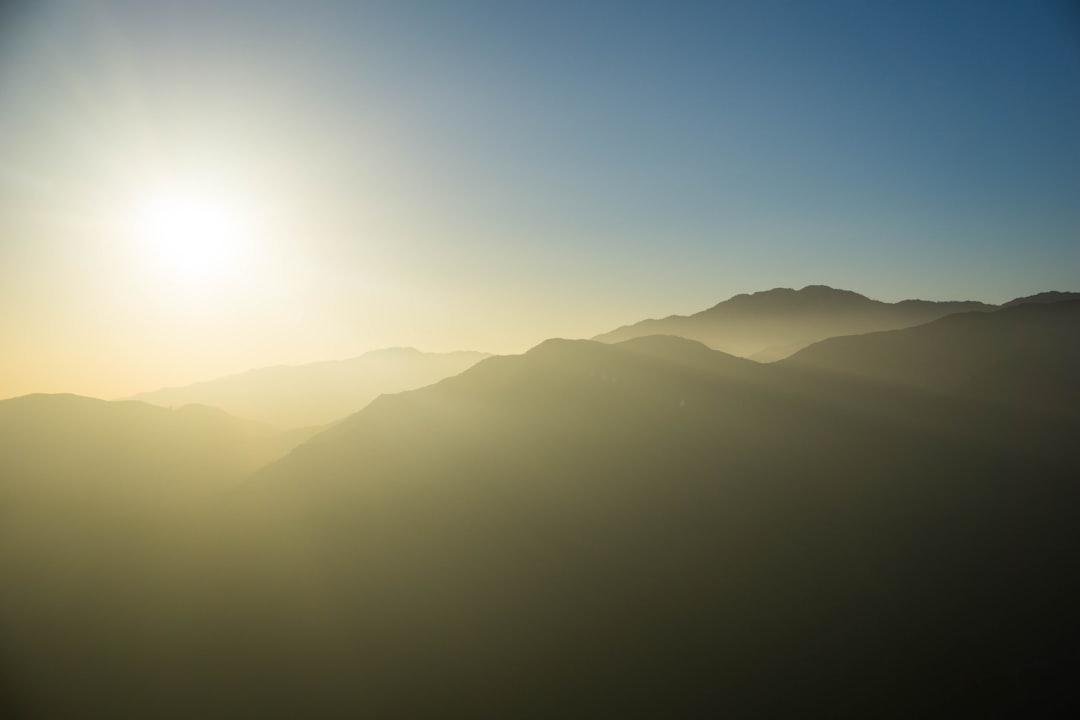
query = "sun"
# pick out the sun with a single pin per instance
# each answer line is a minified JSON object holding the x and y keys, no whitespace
{"x":196,"y":237}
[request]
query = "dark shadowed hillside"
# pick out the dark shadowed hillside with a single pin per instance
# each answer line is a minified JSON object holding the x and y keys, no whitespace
{"x":638,"y":529}
{"x":773,"y":324}
{"x":317,"y":393}
{"x":651,"y":527}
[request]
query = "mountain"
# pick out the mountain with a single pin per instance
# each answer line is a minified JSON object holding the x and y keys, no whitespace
{"x":1024,"y":355}
{"x":317,"y":393}
{"x":651,"y":528}
{"x":1046,"y":297}
{"x":639,"y":529}
{"x":96,"y":499}
{"x":773,"y":324}
{"x":81,"y":463}
{"x":80,"y":445}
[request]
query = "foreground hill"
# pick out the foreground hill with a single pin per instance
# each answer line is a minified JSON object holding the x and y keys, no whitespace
{"x":93,"y":494}
{"x":317,"y":393}
{"x":773,"y":324}
{"x":643,"y":529}
{"x":1025,"y":355}
{"x":652,"y":528}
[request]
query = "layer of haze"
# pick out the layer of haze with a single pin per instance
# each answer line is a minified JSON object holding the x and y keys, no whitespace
{"x":482,"y":175}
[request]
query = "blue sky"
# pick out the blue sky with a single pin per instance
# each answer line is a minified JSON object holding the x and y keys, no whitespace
{"x":928,"y":136}
{"x":487,"y":174}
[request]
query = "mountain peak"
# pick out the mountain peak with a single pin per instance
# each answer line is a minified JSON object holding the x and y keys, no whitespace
{"x":772,"y":324}
{"x":785,"y":297}
{"x":826,"y":291}
{"x":806,"y":291}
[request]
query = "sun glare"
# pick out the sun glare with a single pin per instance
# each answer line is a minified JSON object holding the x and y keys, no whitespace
{"x":194,"y":237}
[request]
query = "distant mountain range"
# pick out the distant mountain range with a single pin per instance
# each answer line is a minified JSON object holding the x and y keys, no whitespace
{"x":317,"y":393}
{"x":770,"y":325}
{"x":764,"y":326}
{"x":648,"y":527}
{"x":1046,"y":297}
{"x":879,"y":525}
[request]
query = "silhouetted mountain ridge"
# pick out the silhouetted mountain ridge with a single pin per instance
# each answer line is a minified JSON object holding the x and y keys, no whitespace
{"x":804,"y":299}
{"x":1045,"y":297}
{"x":620,"y":529}
{"x":317,"y":393}
{"x":634,"y":529}
{"x":772,"y":324}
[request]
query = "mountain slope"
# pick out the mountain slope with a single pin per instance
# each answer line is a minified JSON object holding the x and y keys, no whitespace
{"x":317,"y":393}
{"x":595,"y":530}
{"x":639,"y":529}
{"x":96,"y":501}
{"x":775,"y":323}
{"x":79,"y":444}
{"x":1052,"y":296}
{"x":1024,"y":355}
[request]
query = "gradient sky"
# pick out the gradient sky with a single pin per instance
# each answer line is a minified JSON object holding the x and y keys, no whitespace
{"x":482,"y":175}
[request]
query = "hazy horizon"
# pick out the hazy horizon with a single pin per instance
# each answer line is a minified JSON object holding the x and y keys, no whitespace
{"x":132,"y":389}
{"x":192,"y":190}
{"x":879,"y":524}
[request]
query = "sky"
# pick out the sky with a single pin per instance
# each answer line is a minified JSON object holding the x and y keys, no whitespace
{"x":484,"y":175}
